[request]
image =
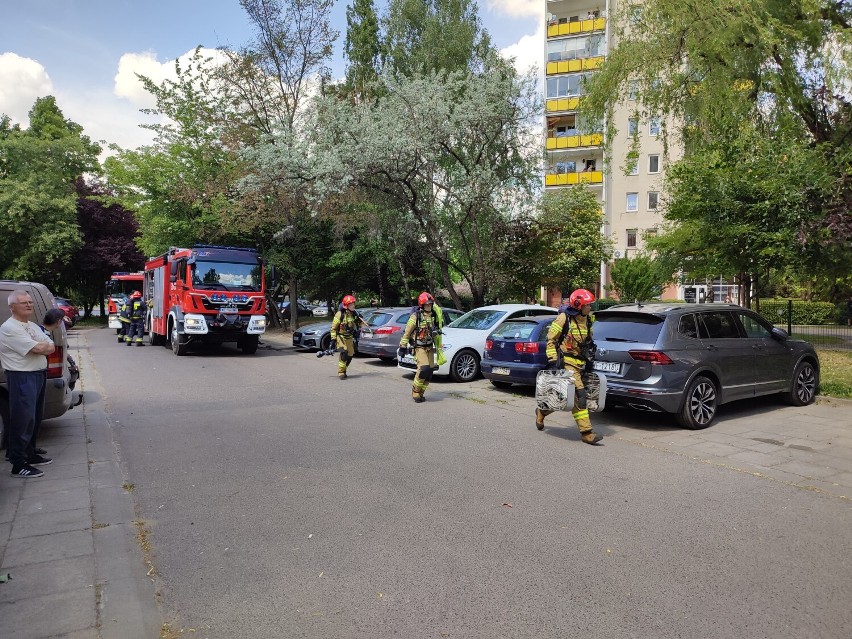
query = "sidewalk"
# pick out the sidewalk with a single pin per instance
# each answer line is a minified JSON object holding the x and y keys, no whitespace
{"x":68,"y":539}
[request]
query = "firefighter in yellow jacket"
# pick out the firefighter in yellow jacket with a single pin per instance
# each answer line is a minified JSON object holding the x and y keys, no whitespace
{"x":422,"y":335}
{"x":570,"y":340}
{"x":344,"y":328}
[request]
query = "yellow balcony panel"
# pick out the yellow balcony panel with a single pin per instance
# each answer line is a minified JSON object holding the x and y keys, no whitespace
{"x":550,"y":143}
{"x":572,"y":178}
{"x":585,"y":140}
{"x":574,"y":27}
{"x":597,"y":139}
{"x":562,"y":143}
{"x":552,"y":30}
{"x":562,"y":179}
{"x":563,"y":66}
{"x":550,"y":180}
{"x":572,"y":141}
{"x":572,"y":105}
{"x":600,"y":23}
{"x":587,"y":25}
{"x":574,"y":65}
{"x":592,"y":63}
{"x":552,"y":105}
{"x":564,"y":104}
{"x":552,"y":67}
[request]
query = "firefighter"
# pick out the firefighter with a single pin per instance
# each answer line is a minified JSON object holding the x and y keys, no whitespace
{"x":124,"y":319}
{"x":569,"y":346}
{"x":422,"y":335}
{"x":344,"y":329}
{"x":136,"y":310}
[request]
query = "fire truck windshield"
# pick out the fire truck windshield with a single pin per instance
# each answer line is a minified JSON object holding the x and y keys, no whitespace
{"x":119,"y":288}
{"x":226,"y":275}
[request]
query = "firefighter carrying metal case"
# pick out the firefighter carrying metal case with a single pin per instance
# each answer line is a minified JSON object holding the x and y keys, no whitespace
{"x":554,"y":390}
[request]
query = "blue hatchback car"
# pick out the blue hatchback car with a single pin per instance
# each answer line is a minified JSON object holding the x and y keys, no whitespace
{"x":516,"y":351}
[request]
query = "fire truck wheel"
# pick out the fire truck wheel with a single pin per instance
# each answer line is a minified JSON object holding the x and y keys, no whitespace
{"x":178,"y":342}
{"x":155,"y":340}
{"x":248,"y":344}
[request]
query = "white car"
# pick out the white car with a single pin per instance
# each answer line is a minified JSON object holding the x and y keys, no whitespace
{"x":320,"y":311}
{"x":464,"y":339}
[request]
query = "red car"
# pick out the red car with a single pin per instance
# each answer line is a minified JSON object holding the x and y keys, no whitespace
{"x":72,"y":313}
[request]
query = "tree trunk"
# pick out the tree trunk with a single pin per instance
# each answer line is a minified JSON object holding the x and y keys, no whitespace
{"x":294,"y":302}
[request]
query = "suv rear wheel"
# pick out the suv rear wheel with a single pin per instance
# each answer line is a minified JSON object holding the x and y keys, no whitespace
{"x":699,"y":404}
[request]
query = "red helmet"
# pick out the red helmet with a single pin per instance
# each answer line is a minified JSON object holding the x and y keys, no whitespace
{"x":580,"y":298}
{"x":425,"y":298}
{"x":136,"y":294}
{"x":348,"y":299}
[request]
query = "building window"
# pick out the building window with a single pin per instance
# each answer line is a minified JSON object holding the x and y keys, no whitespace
{"x":653,"y":163}
{"x":634,"y":14}
{"x":564,"y":86}
{"x":632,"y":201}
{"x":632,"y":126}
{"x":653,"y":200}
{"x":631,"y":238}
{"x":632,"y":90}
{"x":654,"y":127}
{"x":634,"y":170}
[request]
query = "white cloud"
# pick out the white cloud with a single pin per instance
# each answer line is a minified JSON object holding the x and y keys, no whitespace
{"x":22,"y":81}
{"x":518,"y":8}
{"x":528,"y":51}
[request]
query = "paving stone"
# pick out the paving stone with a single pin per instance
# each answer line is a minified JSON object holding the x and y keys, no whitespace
{"x":54,"y":615}
{"x":48,"y":577}
{"x":51,"y":484}
{"x":70,"y":499}
{"x":48,"y":523}
{"x":806,"y":470}
{"x":61,"y":545}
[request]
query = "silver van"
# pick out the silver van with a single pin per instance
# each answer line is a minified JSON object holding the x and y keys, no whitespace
{"x":57,"y":394}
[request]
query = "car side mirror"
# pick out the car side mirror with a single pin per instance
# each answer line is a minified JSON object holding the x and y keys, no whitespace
{"x":779,"y":333}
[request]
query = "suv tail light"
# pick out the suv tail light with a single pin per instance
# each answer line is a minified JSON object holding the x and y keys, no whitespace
{"x":387,"y":330}
{"x":655,"y":357}
{"x":526,"y":347}
{"x":489,"y":344}
{"x":55,"y":362}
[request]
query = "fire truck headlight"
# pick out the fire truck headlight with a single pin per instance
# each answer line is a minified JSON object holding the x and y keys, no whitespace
{"x":192,"y":322}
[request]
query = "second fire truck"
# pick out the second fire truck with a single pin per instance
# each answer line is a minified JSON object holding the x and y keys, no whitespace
{"x":118,"y":289}
{"x":211,"y":294}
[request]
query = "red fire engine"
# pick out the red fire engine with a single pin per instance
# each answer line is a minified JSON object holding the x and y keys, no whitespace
{"x":118,"y":288}
{"x":211,"y":294}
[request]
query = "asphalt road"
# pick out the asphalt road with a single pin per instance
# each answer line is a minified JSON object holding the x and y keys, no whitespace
{"x":281,"y":502}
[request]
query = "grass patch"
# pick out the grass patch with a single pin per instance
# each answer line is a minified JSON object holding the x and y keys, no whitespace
{"x":128,"y":486}
{"x":835,"y":373}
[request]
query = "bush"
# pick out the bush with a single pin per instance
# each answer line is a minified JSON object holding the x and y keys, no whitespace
{"x":810,"y":313}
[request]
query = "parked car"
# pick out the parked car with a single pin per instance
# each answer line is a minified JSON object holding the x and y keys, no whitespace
{"x":57,"y":394}
{"x":387,"y":326}
{"x":70,"y":310}
{"x":320,"y":311}
{"x":464,"y":339}
{"x":317,"y":336}
{"x":305,"y":310}
{"x":516,"y":351}
{"x":688,"y":359}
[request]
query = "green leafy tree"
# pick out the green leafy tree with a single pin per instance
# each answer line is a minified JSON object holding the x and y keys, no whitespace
{"x":638,"y":278}
{"x":38,"y":169}
{"x":773,"y":73}
{"x":362,"y":48}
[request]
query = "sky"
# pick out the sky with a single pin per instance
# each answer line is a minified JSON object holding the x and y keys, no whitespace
{"x":86,"y":52}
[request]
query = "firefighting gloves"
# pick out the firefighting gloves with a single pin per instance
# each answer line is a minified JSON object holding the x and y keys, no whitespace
{"x":402,"y":351}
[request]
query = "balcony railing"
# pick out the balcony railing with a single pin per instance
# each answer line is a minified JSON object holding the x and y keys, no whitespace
{"x":562,"y":104}
{"x":574,"y":141}
{"x":572,"y":66}
{"x":567,"y":179}
{"x":578,"y":26}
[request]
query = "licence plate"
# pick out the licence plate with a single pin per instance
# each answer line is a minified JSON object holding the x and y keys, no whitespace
{"x":607,"y":367}
{"x":409,"y":359}
{"x":297,"y":339}
{"x":228,"y":309}
{"x":499,"y":370}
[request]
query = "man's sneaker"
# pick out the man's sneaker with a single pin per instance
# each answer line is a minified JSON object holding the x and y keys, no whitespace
{"x":26,"y":471}
{"x":39,"y":451}
{"x":38,"y":460}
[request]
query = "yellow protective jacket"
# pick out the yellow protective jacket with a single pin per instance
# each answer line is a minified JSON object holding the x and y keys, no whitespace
{"x":419,"y":329}
{"x":345,"y":324}
{"x":579,"y":329}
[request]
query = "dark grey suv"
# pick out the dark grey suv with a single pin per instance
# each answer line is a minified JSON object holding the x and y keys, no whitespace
{"x":687,"y":359}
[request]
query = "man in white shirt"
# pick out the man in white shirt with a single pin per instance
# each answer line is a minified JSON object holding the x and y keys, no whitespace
{"x":24,"y":348}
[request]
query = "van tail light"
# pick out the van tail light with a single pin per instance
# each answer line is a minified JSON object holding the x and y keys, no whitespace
{"x":526,"y":347}
{"x":387,"y":330}
{"x":489,"y":344}
{"x":55,"y":362}
{"x":655,"y":357}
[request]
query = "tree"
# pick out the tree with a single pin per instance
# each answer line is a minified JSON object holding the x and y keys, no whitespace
{"x":362,"y":46}
{"x":109,"y":233}
{"x":638,"y":278}
{"x":766,"y":71}
{"x":38,"y":168}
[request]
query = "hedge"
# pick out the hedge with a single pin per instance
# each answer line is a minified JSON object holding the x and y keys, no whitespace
{"x":809,"y":313}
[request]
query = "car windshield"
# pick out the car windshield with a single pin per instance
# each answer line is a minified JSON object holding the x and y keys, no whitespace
{"x":627,"y":327}
{"x":227,"y":275}
{"x":514,"y":330}
{"x":479,"y":319}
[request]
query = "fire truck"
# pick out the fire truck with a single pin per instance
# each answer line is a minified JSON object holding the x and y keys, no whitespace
{"x":118,"y":289}
{"x":212,"y":294}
